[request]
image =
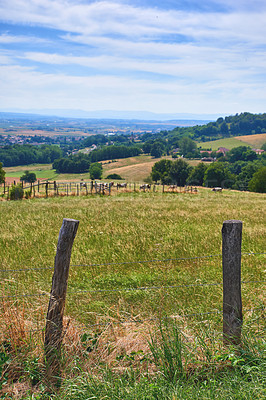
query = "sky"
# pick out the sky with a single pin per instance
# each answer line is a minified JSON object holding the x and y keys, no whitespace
{"x":161,"y":56}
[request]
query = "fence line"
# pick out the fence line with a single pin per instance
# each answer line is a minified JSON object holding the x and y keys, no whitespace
{"x":134,"y":320}
{"x":130,"y":262}
{"x":143,"y":288}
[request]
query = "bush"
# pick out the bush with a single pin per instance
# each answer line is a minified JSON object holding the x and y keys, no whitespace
{"x":114,"y":176}
{"x":16,"y":192}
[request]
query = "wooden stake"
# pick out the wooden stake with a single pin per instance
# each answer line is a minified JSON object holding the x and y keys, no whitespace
{"x":232,"y":303}
{"x":54,"y":319}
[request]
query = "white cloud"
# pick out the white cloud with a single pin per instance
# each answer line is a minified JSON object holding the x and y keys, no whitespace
{"x":213,"y":60}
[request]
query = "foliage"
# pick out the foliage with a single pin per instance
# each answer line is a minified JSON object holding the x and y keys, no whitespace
{"x":188,"y":146}
{"x":156,"y":150}
{"x":113,"y":152}
{"x":26,"y":154}
{"x":241,"y":153}
{"x":167,"y":351}
{"x":114,"y":176}
{"x":196,"y":176}
{"x":218,"y":174}
{"x":16,"y":192}
{"x":96,"y":171}
{"x":29,"y":177}
{"x":2,"y":174}
{"x":258,"y":182}
{"x":77,"y":163}
{"x":161,"y":171}
{"x":179,"y":172}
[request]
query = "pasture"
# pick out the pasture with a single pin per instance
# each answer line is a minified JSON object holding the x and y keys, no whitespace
{"x":132,"y":169}
{"x":119,"y":243}
{"x":228,"y":143}
{"x":254,"y":141}
{"x":127,"y":228}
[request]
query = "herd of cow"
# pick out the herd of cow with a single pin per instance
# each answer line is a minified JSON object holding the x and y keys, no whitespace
{"x":102,"y":186}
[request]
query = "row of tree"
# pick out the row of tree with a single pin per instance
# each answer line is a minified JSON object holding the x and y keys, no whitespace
{"x":241,"y":175}
{"x":14,"y":155}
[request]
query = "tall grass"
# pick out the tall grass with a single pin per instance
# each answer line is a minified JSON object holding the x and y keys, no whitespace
{"x":112,"y":359}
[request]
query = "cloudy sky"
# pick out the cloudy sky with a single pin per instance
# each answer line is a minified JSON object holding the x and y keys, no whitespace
{"x":164,"y":56}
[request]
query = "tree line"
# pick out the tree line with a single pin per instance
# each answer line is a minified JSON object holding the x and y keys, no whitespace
{"x":234,"y":173}
{"x":16,"y":154}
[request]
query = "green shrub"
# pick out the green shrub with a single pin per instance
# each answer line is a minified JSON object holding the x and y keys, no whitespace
{"x":114,"y":176}
{"x":16,"y":192}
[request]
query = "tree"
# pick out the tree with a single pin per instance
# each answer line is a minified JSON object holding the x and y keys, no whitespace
{"x":156,"y":150}
{"x":217,"y":174}
{"x":161,"y":171}
{"x":96,"y":171}
{"x":187,"y":145}
{"x":243,"y":153}
{"x":2,"y":174}
{"x":258,"y":182}
{"x":179,"y":172}
{"x":29,"y":177}
{"x":196,"y":176}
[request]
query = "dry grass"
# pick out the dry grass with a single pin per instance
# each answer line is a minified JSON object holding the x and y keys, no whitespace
{"x":253,"y":140}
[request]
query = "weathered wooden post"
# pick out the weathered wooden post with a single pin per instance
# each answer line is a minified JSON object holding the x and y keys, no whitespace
{"x":54,"y":319}
{"x":38,"y":186}
{"x":46,"y":189}
{"x":232,"y":303}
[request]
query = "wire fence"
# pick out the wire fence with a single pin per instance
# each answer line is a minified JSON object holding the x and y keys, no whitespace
{"x":113,"y":263}
{"x":165,"y":288}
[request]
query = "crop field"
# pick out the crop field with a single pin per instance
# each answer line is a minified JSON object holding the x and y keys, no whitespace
{"x":134,"y":260}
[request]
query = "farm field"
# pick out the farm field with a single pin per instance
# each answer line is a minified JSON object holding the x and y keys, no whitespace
{"x":229,"y":143}
{"x":254,"y":140}
{"x":133,"y":169}
{"x":118,"y":242}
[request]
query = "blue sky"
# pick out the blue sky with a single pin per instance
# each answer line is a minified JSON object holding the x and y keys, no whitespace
{"x":201,"y":57}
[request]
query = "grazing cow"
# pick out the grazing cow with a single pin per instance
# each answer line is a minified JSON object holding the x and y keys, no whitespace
{"x":217,"y":189}
{"x":122,"y":185}
{"x":172,"y":187}
{"x":145,"y":186}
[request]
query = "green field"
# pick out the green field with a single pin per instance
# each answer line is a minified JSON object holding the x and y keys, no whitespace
{"x":116,"y":236}
{"x":132,"y":169}
{"x":228,"y":143}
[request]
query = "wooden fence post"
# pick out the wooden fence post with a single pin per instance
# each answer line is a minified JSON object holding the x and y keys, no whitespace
{"x":54,"y":319}
{"x":232,"y":303}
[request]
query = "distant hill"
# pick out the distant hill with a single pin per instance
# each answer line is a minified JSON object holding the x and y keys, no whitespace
{"x":112,"y":114}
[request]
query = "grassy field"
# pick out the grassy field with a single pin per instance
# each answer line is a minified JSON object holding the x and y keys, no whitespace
{"x":229,"y":143}
{"x":133,"y":169}
{"x":255,"y":141}
{"x":117,"y":235}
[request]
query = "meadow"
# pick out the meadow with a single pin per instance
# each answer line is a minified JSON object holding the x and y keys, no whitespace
{"x":254,"y":141}
{"x":132,"y":169}
{"x":126,"y":242}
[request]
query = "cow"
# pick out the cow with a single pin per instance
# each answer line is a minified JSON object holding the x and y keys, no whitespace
{"x":217,"y":189}
{"x":121,"y":185}
{"x":172,"y":187}
{"x":145,"y":186}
